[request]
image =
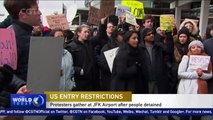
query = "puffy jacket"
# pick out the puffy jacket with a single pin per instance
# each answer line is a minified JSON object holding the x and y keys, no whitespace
{"x":67,"y":82}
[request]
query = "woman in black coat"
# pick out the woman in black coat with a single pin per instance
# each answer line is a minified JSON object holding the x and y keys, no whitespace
{"x":126,"y":73}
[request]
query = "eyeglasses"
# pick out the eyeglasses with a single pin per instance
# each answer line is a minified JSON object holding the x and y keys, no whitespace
{"x":149,"y":34}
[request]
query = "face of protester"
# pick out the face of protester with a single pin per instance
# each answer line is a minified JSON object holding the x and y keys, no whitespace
{"x":211,"y":32}
{"x":58,"y":34}
{"x":182,"y":38}
{"x":95,"y":33}
{"x":196,"y":50}
{"x":120,"y":38}
{"x":137,"y":28}
{"x":149,"y":37}
{"x":189,"y":26}
{"x":148,"y":23}
{"x":30,"y":16}
{"x":84,"y":34}
{"x":133,"y":40}
{"x":161,"y":33}
{"x":109,"y":29}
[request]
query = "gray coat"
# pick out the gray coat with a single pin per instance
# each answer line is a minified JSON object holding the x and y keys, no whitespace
{"x":67,"y":82}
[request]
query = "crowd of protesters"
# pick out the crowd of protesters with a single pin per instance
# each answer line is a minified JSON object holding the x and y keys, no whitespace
{"x":148,"y":61}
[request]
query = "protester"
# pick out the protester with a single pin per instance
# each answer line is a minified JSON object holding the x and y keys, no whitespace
{"x":193,"y":81}
{"x":67,"y":82}
{"x":209,"y":50}
{"x":193,"y":29}
{"x":126,"y":73}
{"x":209,"y":32}
{"x":24,"y":14}
{"x":68,"y":36}
{"x":85,"y":63}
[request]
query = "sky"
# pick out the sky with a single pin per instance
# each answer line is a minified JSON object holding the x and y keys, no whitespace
{"x":49,"y":7}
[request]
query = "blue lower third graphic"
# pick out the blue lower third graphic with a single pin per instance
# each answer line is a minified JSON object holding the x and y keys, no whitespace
{"x":28,"y":100}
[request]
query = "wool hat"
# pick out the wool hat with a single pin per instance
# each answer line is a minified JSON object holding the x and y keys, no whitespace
{"x":197,"y":43}
{"x":184,"y":30}
{"x":145,"y":31}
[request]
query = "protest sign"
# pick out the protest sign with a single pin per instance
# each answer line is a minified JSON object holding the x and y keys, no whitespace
{"x":197,"y":61}
{"x":121,"y":10}
{"x":137,"y":8}
{"x":166,"y":22}
{"x":94,"y":16}
{"x":107,"y":8}
{"x":8,"y":49}
{"x":110,"y":56}
{"x":130,"y":18}
{"x":44,"y":64}
{"x":57,"y":21}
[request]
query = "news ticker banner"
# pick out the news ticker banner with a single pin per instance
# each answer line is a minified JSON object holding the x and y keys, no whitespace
{"x":109,"y":103}
{"x":108,"y":112}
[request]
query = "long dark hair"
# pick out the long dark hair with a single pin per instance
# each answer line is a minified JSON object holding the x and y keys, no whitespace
{"x":125,"y":45}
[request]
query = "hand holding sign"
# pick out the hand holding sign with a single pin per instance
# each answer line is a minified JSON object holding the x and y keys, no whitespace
{"x":199,"y":71}
{"x":130,"y":18}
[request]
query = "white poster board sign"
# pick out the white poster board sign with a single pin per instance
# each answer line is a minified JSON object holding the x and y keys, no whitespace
{"x":130,"y":18}
{"x":121,"y":10}
{"x":197,"y":61}
{"x":110,"y":56}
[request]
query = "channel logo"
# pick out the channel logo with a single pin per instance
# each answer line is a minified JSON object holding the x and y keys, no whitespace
{"x":28,"y":100}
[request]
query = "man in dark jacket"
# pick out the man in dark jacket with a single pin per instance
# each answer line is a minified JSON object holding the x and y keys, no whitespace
{"x":24,"y":14}
{"x":105,"y":73}
{"x":209,"y":50}
{"x":153,"y":63}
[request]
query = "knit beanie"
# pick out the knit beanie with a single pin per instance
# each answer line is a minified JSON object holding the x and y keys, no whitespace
{"x":184,"y":30}
{"x":144,"y":32}
{"x":197,"y":43}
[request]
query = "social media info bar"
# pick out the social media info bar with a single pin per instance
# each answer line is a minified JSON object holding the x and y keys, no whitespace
{"x":109,"y":103}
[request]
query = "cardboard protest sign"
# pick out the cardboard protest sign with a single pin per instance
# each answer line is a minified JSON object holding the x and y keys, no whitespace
{"x":167,"y":22}
{"x":57,"y":21}
{"x":107,"y":8}
{"x":94,"y":16}
{"x":110,"y":56}
{"x":197,"y":61}
{"x":8,"y":48}
{"x":130,"y":18}
{"x":137,"y":8}
{"x":44,"y":64}
{"x":121,"y":10}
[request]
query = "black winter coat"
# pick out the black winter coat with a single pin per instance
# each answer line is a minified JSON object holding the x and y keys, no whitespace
{"x":209,"y":50}
{"x":23,"y":34}
{"x":84,"y":58}
{"x":127,"y":73}
{"x":105,"y":72}
{"x":157,"y":69}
